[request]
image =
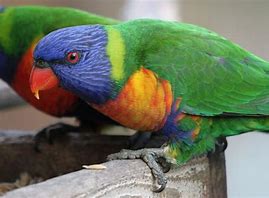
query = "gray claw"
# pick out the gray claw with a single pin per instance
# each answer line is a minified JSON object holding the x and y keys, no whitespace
{"x":166,"y":166}
{"x":160,"y":189}
{"x":49,"y":133}
{"x":151,"y":157}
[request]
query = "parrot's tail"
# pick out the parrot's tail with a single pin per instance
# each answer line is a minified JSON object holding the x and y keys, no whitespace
{"x":229,"y":126}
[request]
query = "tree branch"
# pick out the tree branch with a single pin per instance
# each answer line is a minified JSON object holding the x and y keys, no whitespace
{"x":201,"y":177}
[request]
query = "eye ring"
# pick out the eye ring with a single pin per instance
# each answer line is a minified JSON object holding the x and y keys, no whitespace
{"x":73,"y":57}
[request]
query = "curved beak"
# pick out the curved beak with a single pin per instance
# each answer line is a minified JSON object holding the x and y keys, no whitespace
{"x":42,"y":79}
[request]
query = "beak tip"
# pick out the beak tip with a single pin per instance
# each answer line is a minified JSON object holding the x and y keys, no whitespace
{"x":42,"y":79}
{"x":36,"y":94}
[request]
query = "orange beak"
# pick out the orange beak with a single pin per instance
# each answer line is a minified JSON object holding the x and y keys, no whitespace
{"x":42,"y":79}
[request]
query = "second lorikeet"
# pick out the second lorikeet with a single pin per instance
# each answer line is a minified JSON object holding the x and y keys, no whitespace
{"x":183,"y":81}
{"x":20,"y":29}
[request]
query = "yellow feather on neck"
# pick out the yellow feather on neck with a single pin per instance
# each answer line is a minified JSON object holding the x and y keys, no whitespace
{"x":116,"y":52}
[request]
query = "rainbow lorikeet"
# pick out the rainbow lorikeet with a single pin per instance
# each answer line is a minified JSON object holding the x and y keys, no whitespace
{"x":183,"y":81}
{"x":21,"y":29}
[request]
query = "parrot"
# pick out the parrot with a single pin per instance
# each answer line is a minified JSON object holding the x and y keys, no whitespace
{"x":183,"y":81}
{"x":21,"y":28}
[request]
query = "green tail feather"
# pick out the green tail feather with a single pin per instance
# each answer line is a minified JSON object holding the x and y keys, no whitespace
{"x":210,"y":129}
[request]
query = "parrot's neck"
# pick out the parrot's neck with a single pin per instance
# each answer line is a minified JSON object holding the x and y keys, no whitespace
{"x":23,"y":70}
{"x":143,"y":104}
{"x":120,"y":50}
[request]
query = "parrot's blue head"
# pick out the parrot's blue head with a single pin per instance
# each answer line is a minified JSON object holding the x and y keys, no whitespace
{"x":77,"y":56}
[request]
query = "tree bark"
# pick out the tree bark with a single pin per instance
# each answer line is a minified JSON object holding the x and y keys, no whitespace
{"x":201,"y":177}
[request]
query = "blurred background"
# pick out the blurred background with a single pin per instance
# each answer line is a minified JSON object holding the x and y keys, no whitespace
{"x":242,"y":21}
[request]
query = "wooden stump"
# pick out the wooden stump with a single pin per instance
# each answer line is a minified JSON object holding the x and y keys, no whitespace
{"x":201,"y":177}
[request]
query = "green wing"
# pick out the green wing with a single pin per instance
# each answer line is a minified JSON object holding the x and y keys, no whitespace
{"x":212,"y":75}
{"x":20,"y":26}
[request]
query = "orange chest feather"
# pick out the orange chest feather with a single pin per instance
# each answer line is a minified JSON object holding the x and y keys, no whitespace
{"x":56,"y":101}
{"x":143,"y":103}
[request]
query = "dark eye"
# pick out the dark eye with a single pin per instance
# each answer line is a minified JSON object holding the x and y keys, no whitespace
{"x":73,"y":57}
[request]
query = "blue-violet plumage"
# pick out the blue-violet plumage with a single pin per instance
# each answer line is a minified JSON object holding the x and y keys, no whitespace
{"x":90,"y":42}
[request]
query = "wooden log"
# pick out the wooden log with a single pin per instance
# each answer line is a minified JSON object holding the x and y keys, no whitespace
{"x":65,"y":155}
{"x":201,"y":177}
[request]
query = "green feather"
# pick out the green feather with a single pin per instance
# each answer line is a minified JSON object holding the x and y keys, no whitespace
{"x":21,"y":25}
{"x":217,"y":80}
{"x":212,"y":75}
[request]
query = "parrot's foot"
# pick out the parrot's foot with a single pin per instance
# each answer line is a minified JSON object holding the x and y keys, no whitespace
{"x":221,"y":144}
{"x":49,"y":133}
{"x":153,"y":157}
{"x":146,"y":140}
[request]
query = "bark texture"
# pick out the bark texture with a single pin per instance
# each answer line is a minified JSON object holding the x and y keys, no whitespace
{"x":201,"y":177}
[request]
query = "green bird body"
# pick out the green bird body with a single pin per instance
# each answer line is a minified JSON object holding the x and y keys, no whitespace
{"x":182,"y":80}
{"x":222,"y":89}
{"x":212,"y":75}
